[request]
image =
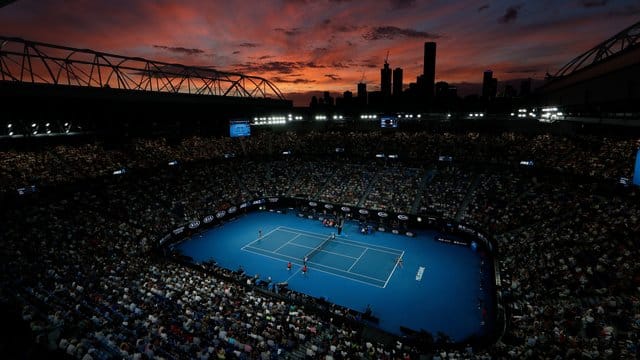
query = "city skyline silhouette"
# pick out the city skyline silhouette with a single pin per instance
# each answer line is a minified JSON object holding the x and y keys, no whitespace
{"x":308,"y":47}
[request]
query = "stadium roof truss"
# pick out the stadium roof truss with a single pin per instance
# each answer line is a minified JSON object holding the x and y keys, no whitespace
{"x":622,"y":41}
{"x":36,"y":62}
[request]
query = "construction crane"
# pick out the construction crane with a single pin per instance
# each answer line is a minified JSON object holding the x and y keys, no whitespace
{"x":386,"y":59}
{"x":362,"y":78}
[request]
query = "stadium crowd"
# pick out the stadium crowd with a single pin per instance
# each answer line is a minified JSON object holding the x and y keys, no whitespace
{"x":77,"y":261}
{"x":588,"y":155}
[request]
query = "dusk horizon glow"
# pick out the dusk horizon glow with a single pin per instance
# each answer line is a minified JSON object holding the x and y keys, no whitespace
{"x":306,"y":47}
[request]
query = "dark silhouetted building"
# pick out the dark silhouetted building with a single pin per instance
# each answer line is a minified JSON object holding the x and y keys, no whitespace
{"x":453,"y":91}
{"x":429,"y":69}
{"x":444,"y":91}
{"x":345,"y":100}
{"x":328,"y":99}
{"x":362,"y":93}
{"x":509,"y":91}
{"x":525,"y":87}
{"x":385,"y":80}
{"x":489,"y":85}
{"x":442,"y":88}
{"x":420,"y":82}
{"x":494,"y":88}
{"x":397,"y":82}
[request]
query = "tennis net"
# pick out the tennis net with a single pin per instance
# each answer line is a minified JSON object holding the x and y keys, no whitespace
{"x":318,"y":248}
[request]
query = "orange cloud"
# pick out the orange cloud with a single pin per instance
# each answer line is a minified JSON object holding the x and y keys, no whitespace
{"x":328,"y":45}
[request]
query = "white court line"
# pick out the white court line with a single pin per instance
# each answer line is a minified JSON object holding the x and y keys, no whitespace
{"x":392,"y":271}
{"x":358,"y":259}
{"x":323,"y":265}
{"x":328,"y":252}
{"x":296,"y":231}
{"x":263,"y":236}
{"x":367,"y":247}
{"x":346,"y":241}
{"x":288,"y":242}
{"x":356,"y":274}
{"x":326,"y":272}
{"x":294,"y":274}
{"x":373,"y":247}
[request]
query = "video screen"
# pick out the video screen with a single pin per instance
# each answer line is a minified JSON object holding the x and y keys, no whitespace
{"x":239,"y":128}
{"x":388,"y":122}
{"x":636,"y":172}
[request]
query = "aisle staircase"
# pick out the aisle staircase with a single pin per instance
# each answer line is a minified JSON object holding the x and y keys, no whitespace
{"x":324,"y":186}
{"x":299,"y":353}
{"x":467,"y":198}
{"x":426,"y":179}
{"x":368,"y":190}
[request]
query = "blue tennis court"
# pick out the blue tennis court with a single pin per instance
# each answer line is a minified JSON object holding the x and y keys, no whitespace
{"x":436,"y":287}
{"x":358,"y":261}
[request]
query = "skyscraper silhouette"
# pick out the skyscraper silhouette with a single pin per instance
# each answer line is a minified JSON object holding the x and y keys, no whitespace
{"x":429,"y":70}
{"x":362,"y":93}
{"x":385,"y":80}
{"x":525,"y":87}
{"x":397,"y":81}
{"x":489,"y":85}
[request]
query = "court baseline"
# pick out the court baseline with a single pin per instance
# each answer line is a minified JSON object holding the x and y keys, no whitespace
{"x":348,"y":274}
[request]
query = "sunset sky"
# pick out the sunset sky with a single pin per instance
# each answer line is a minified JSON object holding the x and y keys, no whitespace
{"x":306,"y":46}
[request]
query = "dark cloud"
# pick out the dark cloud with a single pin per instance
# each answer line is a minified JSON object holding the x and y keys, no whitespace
{"x":181,"y":71}
{"x":369,"y":63}
{"x":288,"y":32}
{"x":279,"y":79}
{"x":236,"y":52}
{"x":249,"y":45}
{"x":180,"y":50}
{"x":392,"y":32}
{"x":341,"y":65}
{"x":402,"y":4}
{"x":483,"y":7}
{"x":265,"y":57}
{"x":629,"y":10}
{"x":593,"y":3}
{"x":281,"y":67}
{"x":313,"y":65}
{"x":511,"y":14}
{"x":298,"y":2}
{"x":346,"y":28}
{"x":521,"y":69}
{"x":333,"y":77}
